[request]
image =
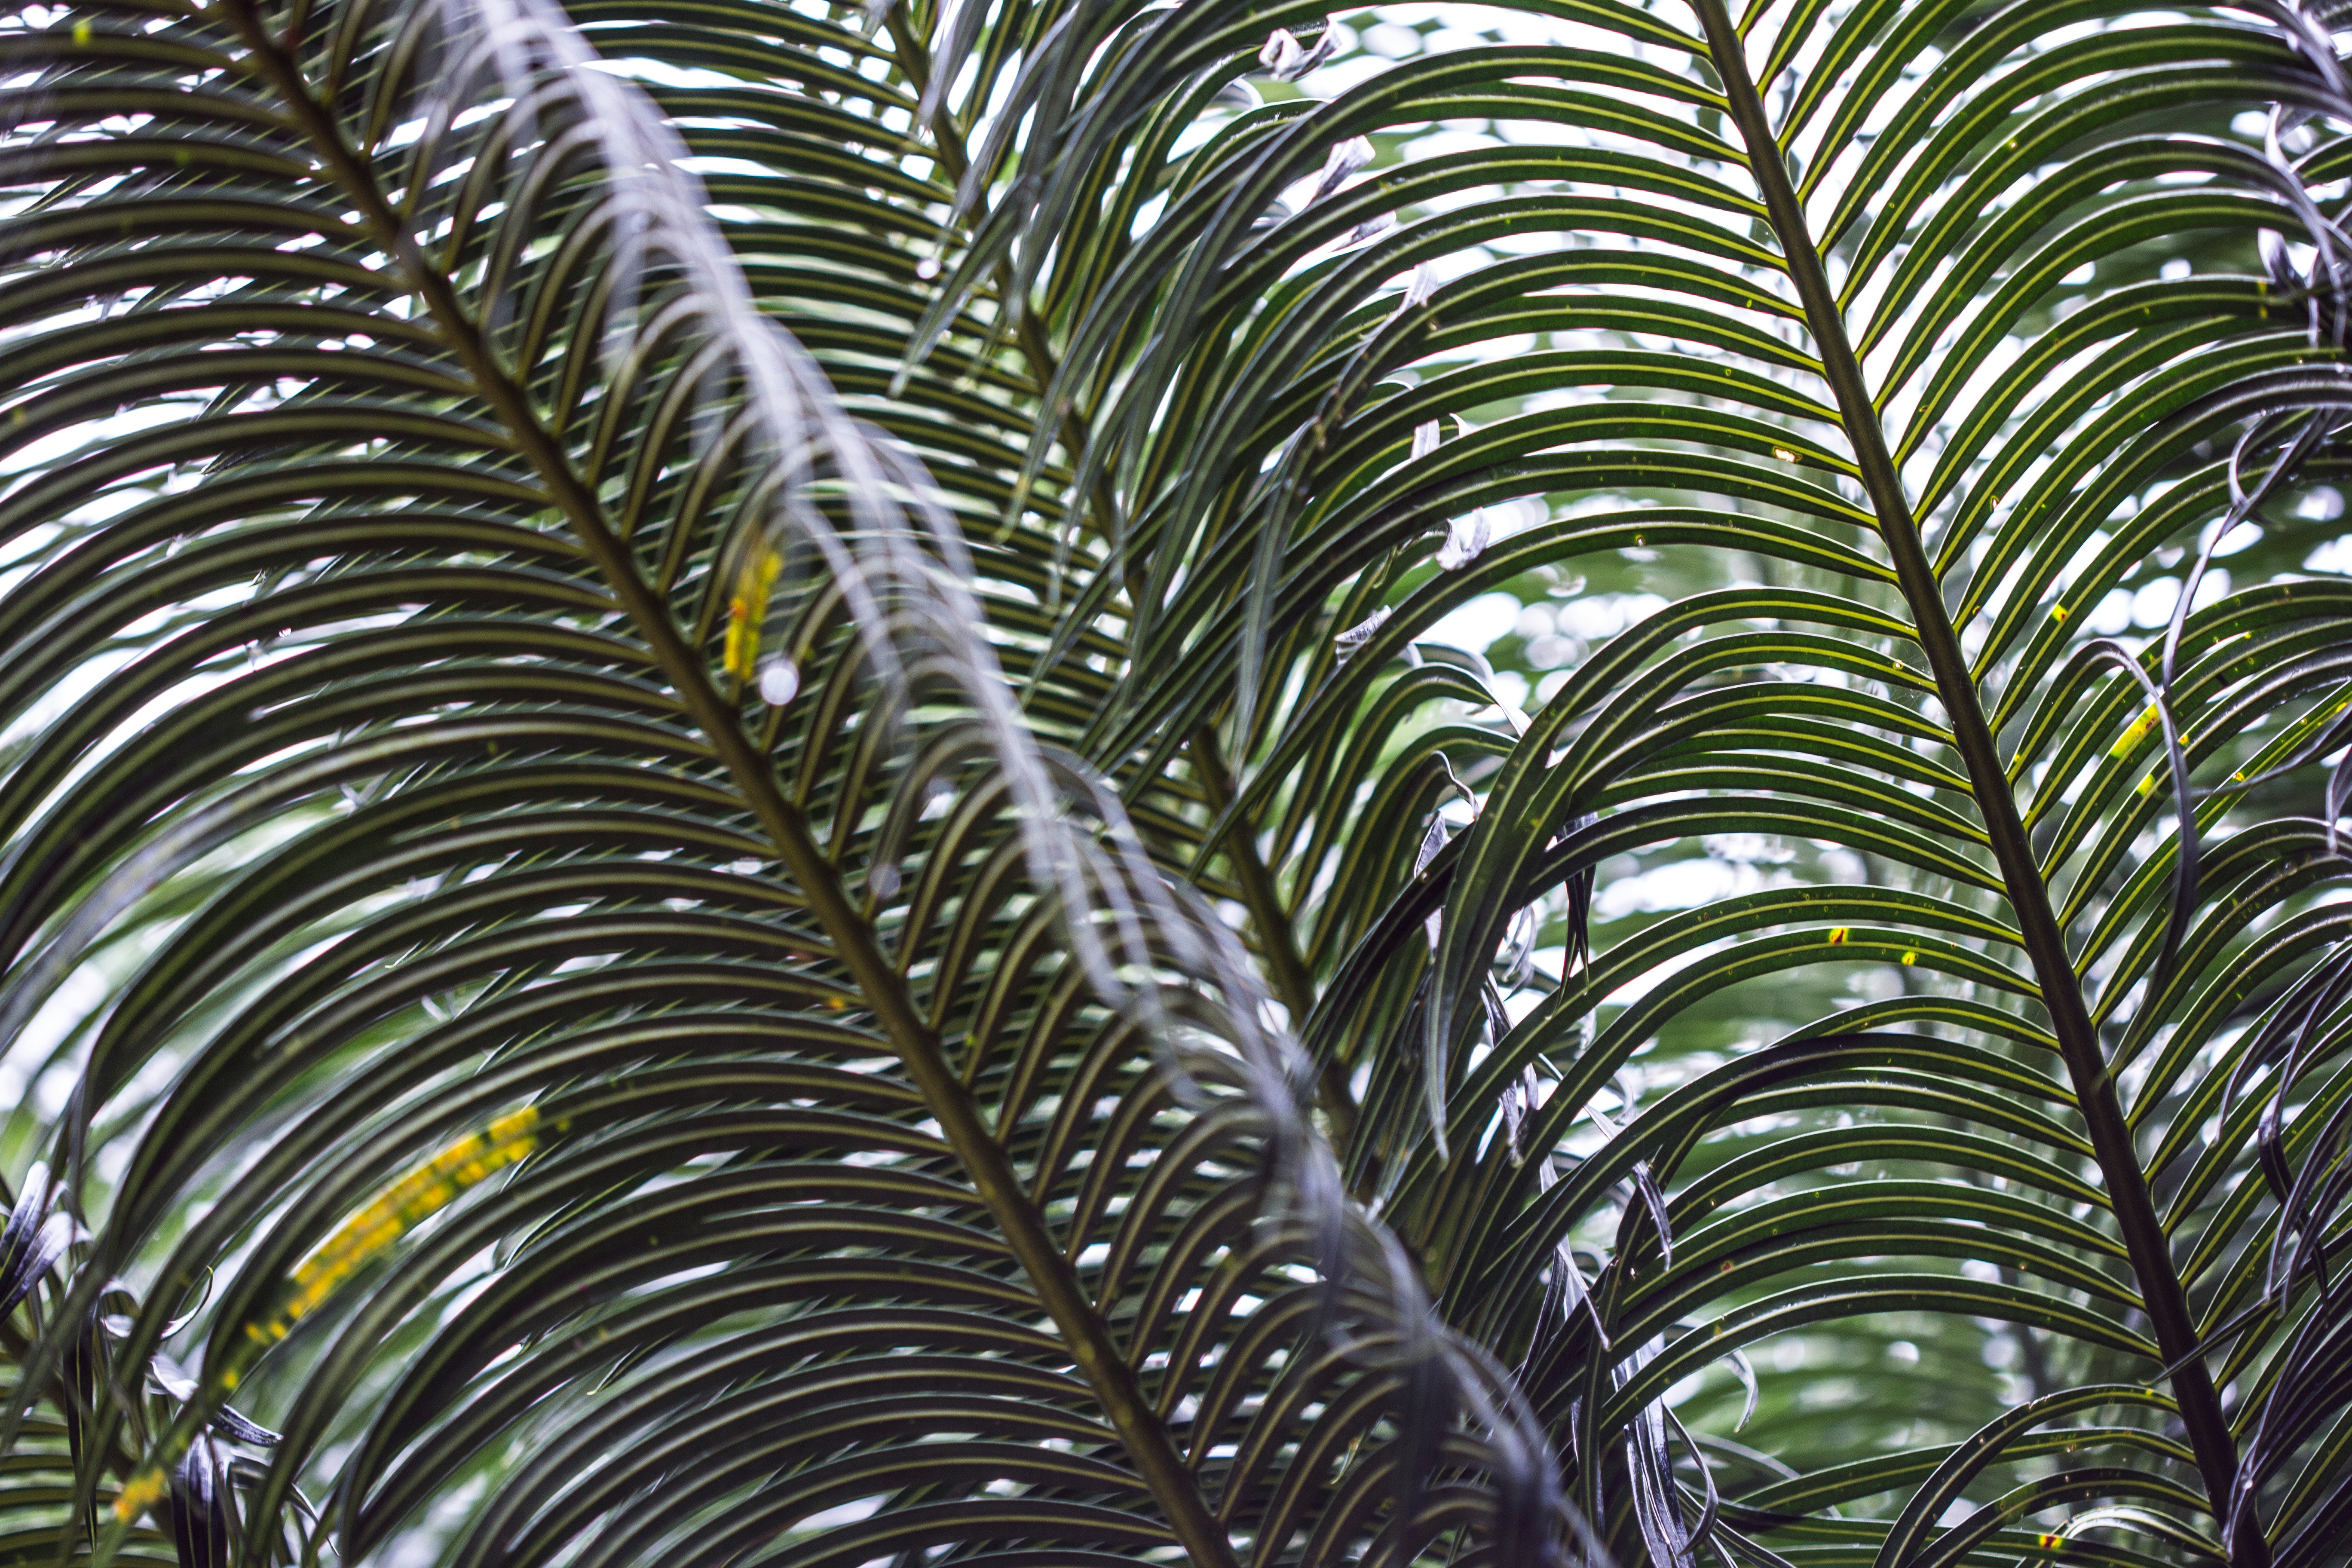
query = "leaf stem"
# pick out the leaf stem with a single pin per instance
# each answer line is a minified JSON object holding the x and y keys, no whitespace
{"x":1292,"y":983}
{"x":2127,"y":1192}
{"x":1145,"y":1436}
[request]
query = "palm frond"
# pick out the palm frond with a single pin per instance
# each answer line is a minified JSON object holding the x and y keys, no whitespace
{"x":738,"y":790}
{"x":1853,"y":397}
{"x":524,"y":1053}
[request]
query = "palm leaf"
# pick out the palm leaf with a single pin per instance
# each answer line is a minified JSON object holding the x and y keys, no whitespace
{"x":523,"y":1042}
{"x":1859,"y":384}
{"x":629,"y":1035}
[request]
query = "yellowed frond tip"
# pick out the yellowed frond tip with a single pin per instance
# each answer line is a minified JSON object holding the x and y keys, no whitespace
{"x":408,"y":1203}
{"x":139,"y":1493}
{"x":747,"y":610}
{"x":2137,"y":732}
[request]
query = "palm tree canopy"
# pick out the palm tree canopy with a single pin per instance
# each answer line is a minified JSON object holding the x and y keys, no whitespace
{"x":1052,"y":784}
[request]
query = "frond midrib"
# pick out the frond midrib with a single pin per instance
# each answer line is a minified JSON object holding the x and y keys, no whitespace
{"x":2142,"y":1232}
{"x":1149,"y":1443}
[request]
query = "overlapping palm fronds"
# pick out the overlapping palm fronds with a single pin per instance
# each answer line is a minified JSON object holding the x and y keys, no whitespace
{"x":1797,"y":309}
{"x":741,"y":827}
{"x":616,"y":999}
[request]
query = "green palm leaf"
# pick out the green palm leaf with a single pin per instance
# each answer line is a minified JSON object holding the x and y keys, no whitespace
{"x":1849,"y":387}
{"x":643,"y":701}
{"x":527,"y":1043}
